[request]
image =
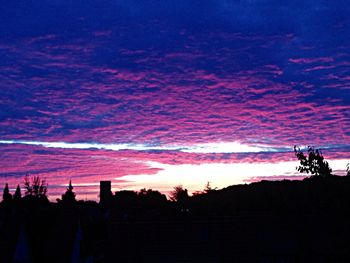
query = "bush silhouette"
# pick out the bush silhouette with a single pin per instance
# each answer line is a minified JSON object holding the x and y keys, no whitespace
{"x":179,"y":194}
{"x":69,"y":195}
{"x":35,"y":186}
{"x":151,"y":198}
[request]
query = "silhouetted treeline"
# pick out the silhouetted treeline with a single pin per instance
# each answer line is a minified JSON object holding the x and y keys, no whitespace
{"x":283,"y":221}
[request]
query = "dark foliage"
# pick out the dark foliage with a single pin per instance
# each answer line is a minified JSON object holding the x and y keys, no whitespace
{"x":126,"y":199}
{"x":179,"y":194}
{"x":69,"y":195}
{"x":18,"y":195}
{"x":207,"y":189}
{"x":35,"y":186}
{"x":151,"y":198}
{"x":314,"y":163}
{"x":6,"y":197}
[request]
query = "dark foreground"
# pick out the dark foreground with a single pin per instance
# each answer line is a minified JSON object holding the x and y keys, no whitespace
{"x":288,"y":221}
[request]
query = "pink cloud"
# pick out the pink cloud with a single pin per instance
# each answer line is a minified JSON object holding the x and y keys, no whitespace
{"x":58,"y":91}
{"x":311,"y":60}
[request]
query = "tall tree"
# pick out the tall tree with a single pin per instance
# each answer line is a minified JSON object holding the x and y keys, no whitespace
{"x":348,"y":169}
{"x":179,"y":194}
{"x":18,"y":195}
{"x":69,"y":195}
{"x":208,"y":188}
{"x":6,"y":195}
{"x":35,"y":186}
{"x":313,"y":163}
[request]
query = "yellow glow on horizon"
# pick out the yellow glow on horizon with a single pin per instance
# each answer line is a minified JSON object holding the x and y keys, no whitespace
{"x":194,"y":177}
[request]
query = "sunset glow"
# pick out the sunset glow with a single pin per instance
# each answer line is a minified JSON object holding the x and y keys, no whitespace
{"x":171,"y":92}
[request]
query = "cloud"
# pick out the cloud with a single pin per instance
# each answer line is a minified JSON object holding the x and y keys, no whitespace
{"x":195,"y":148}
{"x":170,"y":82}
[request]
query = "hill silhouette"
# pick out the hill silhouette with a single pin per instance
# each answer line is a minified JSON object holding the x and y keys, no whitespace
{"x":268,"y":221}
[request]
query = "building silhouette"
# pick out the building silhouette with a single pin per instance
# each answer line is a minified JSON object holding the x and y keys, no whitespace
{"x":105,"y":192}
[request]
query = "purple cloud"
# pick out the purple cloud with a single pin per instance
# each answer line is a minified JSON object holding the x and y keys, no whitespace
{"x":156,"y":80}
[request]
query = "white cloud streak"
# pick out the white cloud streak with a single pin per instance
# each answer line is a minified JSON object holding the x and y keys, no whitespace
{"x":223,"y":147}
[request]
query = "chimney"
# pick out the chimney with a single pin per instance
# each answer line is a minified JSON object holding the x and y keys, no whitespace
{"x":105,"y":192}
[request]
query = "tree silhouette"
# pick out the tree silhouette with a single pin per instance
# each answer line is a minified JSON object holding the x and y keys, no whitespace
{"x":18,"y":195}
{"x":35,"y":186}
{"x":69,"y":195}
{"x":348,"y":169}
{"x":208,"y":188}
{"x":179,"y":194}
{"x":151,"y":197}
{"x":314,"y":163}
{"x":6,"y":195}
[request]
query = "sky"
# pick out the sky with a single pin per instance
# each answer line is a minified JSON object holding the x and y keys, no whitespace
{"x":153,"y":94}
